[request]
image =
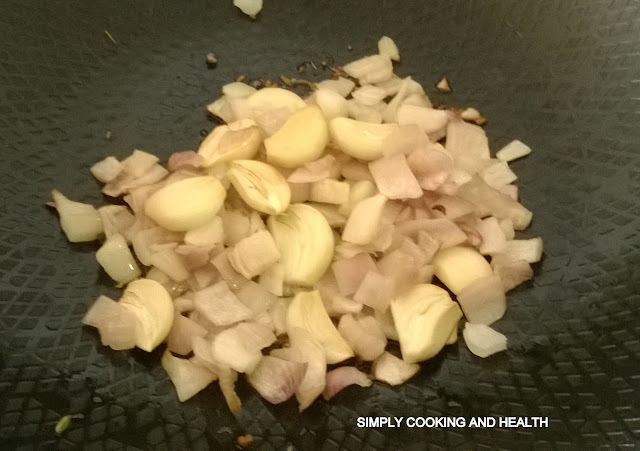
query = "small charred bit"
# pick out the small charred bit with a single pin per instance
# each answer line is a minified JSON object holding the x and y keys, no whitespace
{"x":338,"y":71}
{"x":241,"y":78}
{"x":443,"y":85}
{"x":301,"y":67}
{"x":211,"y":60}
{"x":203,"y":133}
{"x":270,"y":84}
{"x":245,"y":440}
{"x":290,"y":81}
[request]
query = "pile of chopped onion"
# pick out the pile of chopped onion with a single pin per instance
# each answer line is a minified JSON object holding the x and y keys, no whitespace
{"x":302,"y":239}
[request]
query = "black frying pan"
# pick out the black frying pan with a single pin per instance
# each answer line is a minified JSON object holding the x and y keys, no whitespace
{"x":562,"y":77}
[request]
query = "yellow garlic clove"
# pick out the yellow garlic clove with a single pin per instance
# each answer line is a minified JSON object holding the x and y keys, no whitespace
{"x":307,"y":312}
{"x":301,"y":139}
{"x":260,"y":185}
{"x":305,"y":241}
{"x":425,"y":317}
{"x":153,"y":309}
{"x":360,"y":139}
{"x":186,"y":204}
{"x":459,"y":266}
{"x":238,"y":140}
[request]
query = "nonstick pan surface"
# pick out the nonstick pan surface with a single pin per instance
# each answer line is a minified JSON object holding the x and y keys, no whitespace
{"x":563,"y":77}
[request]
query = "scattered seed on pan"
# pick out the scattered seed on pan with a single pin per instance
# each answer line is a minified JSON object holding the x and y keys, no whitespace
{"x":110,"y":37}
{"x":63,"y":424}
{"x":108,"y":134}
{"x":212,"y":61}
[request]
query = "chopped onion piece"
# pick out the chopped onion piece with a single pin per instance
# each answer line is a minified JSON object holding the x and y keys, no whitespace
{"x":369,"y":95}
{"x":220,"y":306}
{"x":498,"y":174}
{"x":350,"y":272}
{"x":374,"y":291}
{"x":238,"y":89}
{"x":222,"y":109}
{"x":363,"y":113}
{"x":512,"y":151}
{"x":188,"y":378}
{"x":313,"y":171}
{"x":239,"y":346}
{"x":493,"y":237}
{"x":483,"y":301}
{"x":115,"y":258}
{"x":228,"y":273}
{"x":429,"y":120}
{"x":171,"y":264}
{"x":187,"y":158}
{"x":512,"y":272}
{"x":468,"y":144}
{"x":356,"y":171}
{"x":342,"y":86}
{"x":364,"y":335}
{"x":405,"y":139}
{"x":116,"y":219}
{"x":250,"y":7}
{"x":107,"y":169}
{"x":370,"y":69}
{"x":392,"y":370}
{"x":79,"y":222}
{"x":305,"y":349}
{"x":139,"y":163}
{"x":329,"y":191}
{"x":388,"y":48}
{"x":276,"y":379}
{"x":527,"y":250}
{"x":341,"y":378}
{"x":488,"y":201}
{"x":256,"y":297}
{"x":394,"y":178}
{"x":180,"y":338}
{"x":331,"y":103}
{"x":254,"y":254}
{"x":482,"y":340}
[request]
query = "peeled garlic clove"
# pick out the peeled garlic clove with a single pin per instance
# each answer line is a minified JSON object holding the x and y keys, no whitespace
{"x":424,"y":316}
{"x":236,"y":141}
{"x":79,"y":222}
{"x":186,"y":204}
{"x":301,"y":139}
{"x":307,"y":312}
{"x":260,"y":185}
{"x":459,"y":266}
{"x":116,"y":259}
{"x":305,"y":241}
{"x":363,"y":223}
{"x":359,"y":139}
{"x":153,"y":308}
